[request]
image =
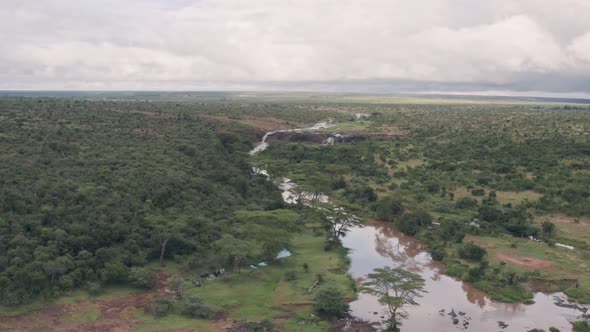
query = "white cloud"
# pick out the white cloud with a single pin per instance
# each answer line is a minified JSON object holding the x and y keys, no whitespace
{"x":111,"y":43}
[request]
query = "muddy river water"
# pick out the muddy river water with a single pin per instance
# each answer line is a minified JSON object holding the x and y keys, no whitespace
{"x":449,"y":304}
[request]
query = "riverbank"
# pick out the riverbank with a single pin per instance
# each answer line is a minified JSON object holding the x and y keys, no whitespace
{"x":449,"y":303}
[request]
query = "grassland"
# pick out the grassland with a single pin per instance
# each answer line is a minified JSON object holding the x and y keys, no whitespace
{"x":252,"y":295}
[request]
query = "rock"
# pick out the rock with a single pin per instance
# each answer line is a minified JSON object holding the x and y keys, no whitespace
{"x":455,"y":321}
{"x":375,"y":313}
{"x":452,"y":313}
{"x":502,"y":325}
{"x":461,"y":313}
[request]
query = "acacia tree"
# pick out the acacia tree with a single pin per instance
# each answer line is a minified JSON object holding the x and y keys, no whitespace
{"x":272,"y":230}
{"x":337,"y":222}
{"x":235,"y":249}
{"x":395,"y":288}
{"x":163,"y":230}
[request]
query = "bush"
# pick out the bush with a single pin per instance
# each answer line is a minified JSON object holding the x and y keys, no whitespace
{"x":438,"y":253}
{"x":290,"y":275}
{"x":456,"y":269}
{"x":581,"y":325}
{"x":176,"y":285}
{"x":478,"y":192}
{"x":143,"y":278}
{"x":548,"y":228}
{"x":422,"y":218}
{"x":412,"y":222}
{"x":578,"y":294}
{"x":162,"y":306}
{"x":331,"y":303}
{"x":196,"y":307}
{"x":262,"y":326}
{"x":553,"y":329}
{"x":472,"y":251}
{"x":94,"y":287}
{"x":388,"y":208}
{"x":466,"y":203}
{"x":407,"y":227}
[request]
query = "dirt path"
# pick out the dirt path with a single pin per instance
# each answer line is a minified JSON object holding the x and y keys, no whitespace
{"x":115,"y":313}
{"x":526,"y":262}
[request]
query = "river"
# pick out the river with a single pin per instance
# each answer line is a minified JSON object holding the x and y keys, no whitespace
{"x":449,"y":304}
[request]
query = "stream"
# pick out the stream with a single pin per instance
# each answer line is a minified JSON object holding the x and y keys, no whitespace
{"x":449,"y":304}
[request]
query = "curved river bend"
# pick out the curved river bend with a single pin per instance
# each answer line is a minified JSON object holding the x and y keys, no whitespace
{"x":449,"y":304}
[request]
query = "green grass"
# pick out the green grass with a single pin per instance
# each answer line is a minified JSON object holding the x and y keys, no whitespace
{"x":306,"y":325}
{"x":507,"y":293}
{"x":8,"y":311}
{"x":86,"y":314}
{"x":517,"y":197}
{"x":108,"y":293}
{"x":263,"y":293}
{"x":565,"y":263}
{"x":250,"y":295}
{"x":168,"y":323}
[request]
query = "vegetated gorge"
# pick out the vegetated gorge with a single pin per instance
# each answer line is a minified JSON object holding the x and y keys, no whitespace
{"x":239,"y":212}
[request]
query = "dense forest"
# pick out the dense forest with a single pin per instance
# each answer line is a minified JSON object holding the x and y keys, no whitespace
{"x":90,"y":189}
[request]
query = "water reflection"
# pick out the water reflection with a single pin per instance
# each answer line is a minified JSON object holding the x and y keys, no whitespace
{"x":378,"y":244}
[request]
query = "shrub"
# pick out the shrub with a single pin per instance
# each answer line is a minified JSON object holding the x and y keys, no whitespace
{"x":422,"y":218}
{"x":465,"y":203}
{"x":290,"y":275}
{"x":196,"y":307}
{"x":478,"y":192}
{"x":578,"y":294}
{"x":438,"y":253}
{"x":472,"y":251}
{"x":162,"y":306}
{"x":456,"y":269}
{"x":143,"y":278}
{"x":581,"y":325}
{"x":94,"y":287}
{"x":388,"y":208}
{"x":262,"y":326}
{"x":407,"y":227}
{"x":330,"y":302}
{"x":553,"y":329}
{"x":548,"y":228}
{"x":176,"y":285}
{"x":412,"y":222}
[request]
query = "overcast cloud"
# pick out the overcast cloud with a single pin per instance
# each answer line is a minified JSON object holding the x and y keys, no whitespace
{"x":499,"y":46}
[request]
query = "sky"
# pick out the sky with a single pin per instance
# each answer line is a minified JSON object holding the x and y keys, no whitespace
{"x":506,"y":47}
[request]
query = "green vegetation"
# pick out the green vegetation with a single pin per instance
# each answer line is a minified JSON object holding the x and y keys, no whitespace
{"x":97,"y":196}
{"x":395,"y":288}
{"x":490,"y":171}
{"x":90,"y":189}
{"x":581,"y":325}
{"x":330,"y":302}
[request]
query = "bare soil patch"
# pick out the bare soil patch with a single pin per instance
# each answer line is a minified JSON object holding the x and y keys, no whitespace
{"x":526,"y":262}
{"x":114,"y":313}
{"x":560,"y":218}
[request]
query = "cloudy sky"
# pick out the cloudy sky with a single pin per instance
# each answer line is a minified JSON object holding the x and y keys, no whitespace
{"x":538,"y":47}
